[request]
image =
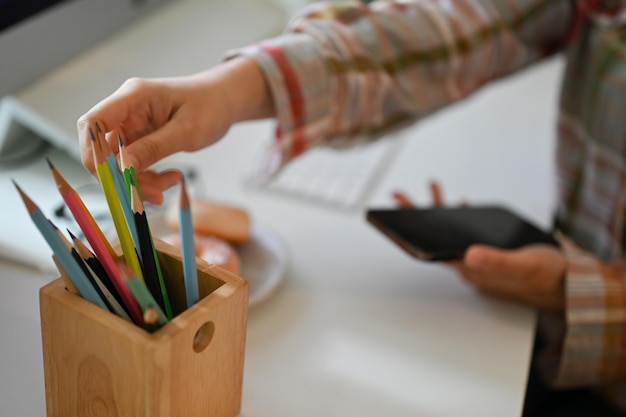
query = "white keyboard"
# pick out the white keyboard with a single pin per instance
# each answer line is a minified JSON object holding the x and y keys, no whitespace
{"x":341,"y":178}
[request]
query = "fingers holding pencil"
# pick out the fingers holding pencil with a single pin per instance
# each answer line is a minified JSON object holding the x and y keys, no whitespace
{"x":151,"y":183}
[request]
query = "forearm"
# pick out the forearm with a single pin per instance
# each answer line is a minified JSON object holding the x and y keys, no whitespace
{"x":248,"y":92}
{"x":345,"y":70}
{"x":243,"y":87}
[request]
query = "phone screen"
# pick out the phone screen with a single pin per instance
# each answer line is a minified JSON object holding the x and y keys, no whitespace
{"x":446,"y":233}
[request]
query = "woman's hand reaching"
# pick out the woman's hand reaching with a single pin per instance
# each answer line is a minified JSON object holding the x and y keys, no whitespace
{"x":159,"y":117}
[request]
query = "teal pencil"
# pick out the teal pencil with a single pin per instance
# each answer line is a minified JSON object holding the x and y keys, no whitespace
{"x":151,"y":320}
{"x":73,"y":270}
{"x":188,"y":248}
{"x":141,"y":293}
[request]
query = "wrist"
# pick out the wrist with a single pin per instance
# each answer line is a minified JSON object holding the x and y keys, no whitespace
{"x":245,"y":90}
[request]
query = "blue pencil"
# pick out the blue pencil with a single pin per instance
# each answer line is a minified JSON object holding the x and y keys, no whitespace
{"x":120,"y":187}
{"x":188,"y":248}
{"x":63,"y":255}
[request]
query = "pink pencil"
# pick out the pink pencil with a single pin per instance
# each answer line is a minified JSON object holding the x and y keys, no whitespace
{"x":84,"y":220}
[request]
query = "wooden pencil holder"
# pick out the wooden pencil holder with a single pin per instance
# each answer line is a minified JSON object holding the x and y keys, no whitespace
{"x":98,"y":364}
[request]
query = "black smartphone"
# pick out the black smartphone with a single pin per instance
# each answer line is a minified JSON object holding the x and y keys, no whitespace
{"x":445,"y":233}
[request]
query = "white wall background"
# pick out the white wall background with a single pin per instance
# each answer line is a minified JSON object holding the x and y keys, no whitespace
{"x":293,"y":6}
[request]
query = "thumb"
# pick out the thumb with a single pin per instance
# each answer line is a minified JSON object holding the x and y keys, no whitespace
{"x":490,"y":259}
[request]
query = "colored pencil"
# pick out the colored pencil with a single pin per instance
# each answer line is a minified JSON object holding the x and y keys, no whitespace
{"x":99,"y":246}
{"x":100,"y":277}
{"x":130,"y":178}
{"x":151,"y":320}
{"x":128,"y":171}
{"x":118,"y":182}
{"x":73,"y":270}
{"x":110,"y":193}
{"x":69,"y":285}
{"x":81,"y":264}
{"x":153,"y":276}
{"x":140,"y":291}
{"x":116,"y":307}
{"x":188,"y":249}
{"x":79,"y":210}
{"x":94,"y":263}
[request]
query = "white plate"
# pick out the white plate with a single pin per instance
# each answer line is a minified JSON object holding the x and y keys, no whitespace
{"x":264,"y":258}
{"x":264,"y":261}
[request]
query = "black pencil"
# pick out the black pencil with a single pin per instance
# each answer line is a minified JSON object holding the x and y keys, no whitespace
{"x":152,"y":272}
{"x":94,"y":264}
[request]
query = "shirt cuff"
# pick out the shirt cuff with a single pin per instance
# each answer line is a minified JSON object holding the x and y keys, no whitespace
{"x":588,"y":348}
{"x":300,"y":86}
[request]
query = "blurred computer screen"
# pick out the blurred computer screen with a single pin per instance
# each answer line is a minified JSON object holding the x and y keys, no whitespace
{"x":36,"y":36}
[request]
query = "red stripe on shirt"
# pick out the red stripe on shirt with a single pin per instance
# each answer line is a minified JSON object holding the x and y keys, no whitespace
{"x":294,"y":92}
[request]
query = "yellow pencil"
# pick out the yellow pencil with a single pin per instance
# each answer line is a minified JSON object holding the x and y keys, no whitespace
{"x":113,"y":201}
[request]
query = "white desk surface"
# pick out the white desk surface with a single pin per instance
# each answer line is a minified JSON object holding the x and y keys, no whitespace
{"x":358,"y":328}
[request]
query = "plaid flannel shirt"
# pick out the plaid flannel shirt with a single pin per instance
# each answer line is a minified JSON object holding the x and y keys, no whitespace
{"x":347,"y":70}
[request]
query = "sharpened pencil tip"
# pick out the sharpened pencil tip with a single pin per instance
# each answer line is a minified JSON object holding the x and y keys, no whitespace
{"x":93,"y":137}
{"x":184,"y":197}
{"x":119,"y":140}
{"x":49,"y":163}
{"x":62,"y":184}
{"x":30,"y":205}
{"x":98,"y":127}
{"x":71,"y":234}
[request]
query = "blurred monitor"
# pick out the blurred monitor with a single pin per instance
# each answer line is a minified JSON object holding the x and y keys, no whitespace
{"x":37,"y":36}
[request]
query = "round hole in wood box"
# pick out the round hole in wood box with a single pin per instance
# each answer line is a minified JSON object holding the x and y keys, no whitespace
{"x":203,"y":336}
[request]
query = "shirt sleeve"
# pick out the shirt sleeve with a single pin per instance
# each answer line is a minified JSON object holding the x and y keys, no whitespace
{"x":589,"y":347}
{"x":345,"y":71}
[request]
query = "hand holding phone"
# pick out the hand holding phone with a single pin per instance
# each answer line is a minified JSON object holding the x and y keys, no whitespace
{"x":522,"y":270}
{"x":445,"y":233}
